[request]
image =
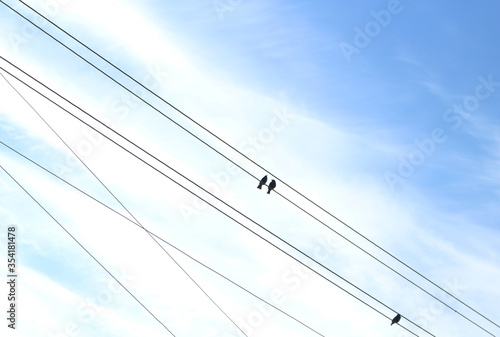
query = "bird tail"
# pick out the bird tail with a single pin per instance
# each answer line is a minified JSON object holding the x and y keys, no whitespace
{"x":268,"y":192}
{"x":259,"y":187}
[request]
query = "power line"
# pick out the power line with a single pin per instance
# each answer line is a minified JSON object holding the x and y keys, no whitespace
{"x":251,"y":160}
{"x":85,"y":249}
{"x":308,"y":213}
{"x":156,"y":236}
{"x":220,"y":200}
{"x":125,"y":208}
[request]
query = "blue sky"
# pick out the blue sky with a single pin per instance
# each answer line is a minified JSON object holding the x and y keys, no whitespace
{"x":399,"y":139}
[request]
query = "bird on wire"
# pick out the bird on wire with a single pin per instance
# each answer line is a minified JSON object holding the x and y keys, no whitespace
{"x":262,"y":182}
{"x":271,"y":187}
{"x":396,"y":319}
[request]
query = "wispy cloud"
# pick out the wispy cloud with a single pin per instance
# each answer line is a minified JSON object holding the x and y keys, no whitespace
{"x":340,"y":164}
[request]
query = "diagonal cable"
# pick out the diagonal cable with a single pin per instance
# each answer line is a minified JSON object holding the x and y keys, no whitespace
{"x":158,"y":237}
{"x":125,"y":208}
{"x":371,"y":255}
{"x":220,"y":200}
{"x":85,"y":249}
{"x":243,"y":155}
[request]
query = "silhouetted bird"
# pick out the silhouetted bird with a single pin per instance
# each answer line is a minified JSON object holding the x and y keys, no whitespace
{"x":272,"y":185}
{"x":262,"y":182}
{"x":396,"y":319}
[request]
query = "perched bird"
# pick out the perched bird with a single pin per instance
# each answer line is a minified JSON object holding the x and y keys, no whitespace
{"x":271,"y":187}
{"x":262,"y":182}
{"x":396,"y":319}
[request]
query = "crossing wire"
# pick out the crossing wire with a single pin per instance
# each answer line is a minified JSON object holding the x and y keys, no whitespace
{"x":125,"y":208}
{"x":85,"y":249}
{"x":243,"y":155}
{"x":158,"y":237}
{"x":277,"y":192}
{"x":239,"y":166}
{"x":214,"y":196}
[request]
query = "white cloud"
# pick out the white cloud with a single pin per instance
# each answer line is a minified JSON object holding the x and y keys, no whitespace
{"x":322,"y":160}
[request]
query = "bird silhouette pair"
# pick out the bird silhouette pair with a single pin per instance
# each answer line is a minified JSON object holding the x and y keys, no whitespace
{"x":271,"y":186}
